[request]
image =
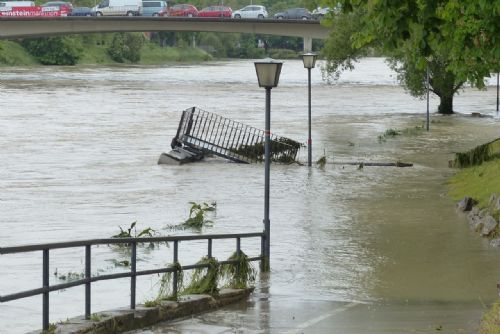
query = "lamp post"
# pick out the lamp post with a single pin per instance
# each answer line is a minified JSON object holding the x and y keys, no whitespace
{"x":268,"y":75}
{"x":427,"y":86}
{"x":497,"y":91}
{"x":309,"y":60}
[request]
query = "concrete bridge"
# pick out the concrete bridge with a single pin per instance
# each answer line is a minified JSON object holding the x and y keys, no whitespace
{"x":20,"y":27}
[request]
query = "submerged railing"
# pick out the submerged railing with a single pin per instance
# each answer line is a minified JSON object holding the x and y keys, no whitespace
{"x":133,"y":273}
{"x":209,"y":132}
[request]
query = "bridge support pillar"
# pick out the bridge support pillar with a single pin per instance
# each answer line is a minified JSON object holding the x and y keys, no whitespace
{"x":308,"y":42}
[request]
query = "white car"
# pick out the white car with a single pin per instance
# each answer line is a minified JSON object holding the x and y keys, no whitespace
{"x":250,"y":12}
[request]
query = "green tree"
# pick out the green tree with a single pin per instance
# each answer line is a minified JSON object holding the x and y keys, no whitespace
{"x":417,"y":34}
{"x":65,"y":50}
{"x":126,"y":47}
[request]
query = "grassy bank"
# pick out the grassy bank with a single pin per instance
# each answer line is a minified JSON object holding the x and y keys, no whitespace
{"x":478,"y":182}
{"x":481,"y":177}
{"x":13,"y":54}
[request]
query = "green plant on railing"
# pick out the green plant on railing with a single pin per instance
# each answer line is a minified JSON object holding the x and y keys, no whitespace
{"x":239,"y":274}
{"x":282,"y":149}
{"x":166,"y":291}
{"x":197,"y":215}
{"x":205,"y":280}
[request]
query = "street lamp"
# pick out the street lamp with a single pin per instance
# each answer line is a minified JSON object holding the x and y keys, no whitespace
{"x":309,"y":60}
{"x":427,"y":87}
{"x":268,"y":74}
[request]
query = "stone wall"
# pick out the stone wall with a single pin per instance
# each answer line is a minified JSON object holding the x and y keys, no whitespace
{"x":484,"y":221}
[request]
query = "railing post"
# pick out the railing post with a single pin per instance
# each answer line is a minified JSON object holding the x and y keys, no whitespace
{"x":209,"y":248}
{"x":263,"y":253}
{"x":175,"y":276}
{"x":45,"y":279}
{"x":87,"y":285}
{"x":133,"y":260}
{"x":238,"y":253}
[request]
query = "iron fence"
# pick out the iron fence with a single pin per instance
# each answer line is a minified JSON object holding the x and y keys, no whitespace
{"x":133,"y":273}
{"x":209,"y":132}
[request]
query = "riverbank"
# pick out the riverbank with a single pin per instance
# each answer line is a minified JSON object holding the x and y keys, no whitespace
{"x":132,"y":48}
{"x":14,"y":54}
{"x":478,"y":186}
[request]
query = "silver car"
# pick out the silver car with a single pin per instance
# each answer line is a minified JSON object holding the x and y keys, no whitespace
{"x":251,"y":12}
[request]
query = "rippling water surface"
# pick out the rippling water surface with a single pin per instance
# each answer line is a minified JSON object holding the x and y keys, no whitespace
{"x":79,"y":148}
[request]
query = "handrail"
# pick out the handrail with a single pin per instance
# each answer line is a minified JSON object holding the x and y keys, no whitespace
{"x":133,"y":273}
{"x":93,"y":242}
{"x":209,"y":132}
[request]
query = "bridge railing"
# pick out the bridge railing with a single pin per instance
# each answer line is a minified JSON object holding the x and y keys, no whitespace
{"x":229,"y":139}
{"x":133,"y":273}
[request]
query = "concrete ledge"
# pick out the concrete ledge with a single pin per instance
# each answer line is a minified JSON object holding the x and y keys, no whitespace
{"x":121,"y":320}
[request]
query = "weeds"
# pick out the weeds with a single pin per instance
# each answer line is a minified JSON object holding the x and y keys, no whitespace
{"x":391,"y":133}
{"x":321,"y":162}
{"x":478,"y":155}
{"x":239,"y":274}
{"x":205,"y":280}
{"x":197,"y":215}
{"x":283,"y":150}
{"x":51,"y":330}
{"x":166,"y":292}
{"x":147,"y":232}
{"x":131,"y":232}
{"x":69,"y":277}
{"x":97,"y":317}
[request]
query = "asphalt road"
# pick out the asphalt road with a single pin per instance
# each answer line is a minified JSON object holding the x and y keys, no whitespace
{"x":264,"y":313}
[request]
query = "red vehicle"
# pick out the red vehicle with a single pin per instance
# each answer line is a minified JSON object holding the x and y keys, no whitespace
{"x":59,"y":5}
{"x":183,"y":10}
{"x":215,"y":11}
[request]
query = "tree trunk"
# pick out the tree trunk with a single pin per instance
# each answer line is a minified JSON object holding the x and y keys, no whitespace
{"x":446,"y":104}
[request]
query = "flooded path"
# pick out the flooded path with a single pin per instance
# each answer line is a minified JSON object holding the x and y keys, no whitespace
{"x":79,"y":150}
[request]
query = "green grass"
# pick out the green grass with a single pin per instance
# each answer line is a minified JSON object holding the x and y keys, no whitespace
{"x":478,"y":182}
{"x":95,"y":55}
{"x":13,"y":54}
{"x":490,"y":324}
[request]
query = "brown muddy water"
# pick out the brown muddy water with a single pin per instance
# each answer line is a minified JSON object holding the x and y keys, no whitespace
{"x":79,"y":148}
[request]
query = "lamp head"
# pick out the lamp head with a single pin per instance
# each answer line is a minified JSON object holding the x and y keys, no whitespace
{"x":268,"y":72}
{"x":309,"y":59}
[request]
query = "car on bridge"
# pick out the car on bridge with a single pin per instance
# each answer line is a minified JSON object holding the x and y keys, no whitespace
{"x":81,"y":11}
{"x":59,"y":5}
{"x":294,"y":14}
{"x":251,"y":12}
{"x":216,"y":11}
{"x":182,"y":10}
{"x":154,"y":8}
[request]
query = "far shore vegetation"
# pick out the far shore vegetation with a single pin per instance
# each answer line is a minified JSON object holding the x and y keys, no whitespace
{"x":155,"y":48}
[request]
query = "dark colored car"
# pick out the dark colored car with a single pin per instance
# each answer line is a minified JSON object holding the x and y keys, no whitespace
{"x":294,"y":14}
{"x":81,"y":11}
{"x":61,"y":5}
{"x":183,"y":10}
{"x":216,"y":11}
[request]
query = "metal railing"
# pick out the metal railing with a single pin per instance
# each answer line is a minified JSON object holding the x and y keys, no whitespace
{"x":133,"y":273}
{"x":209,"y":132}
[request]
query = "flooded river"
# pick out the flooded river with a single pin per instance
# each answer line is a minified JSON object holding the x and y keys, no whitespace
{"x":79,"y":148}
